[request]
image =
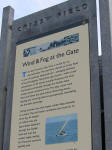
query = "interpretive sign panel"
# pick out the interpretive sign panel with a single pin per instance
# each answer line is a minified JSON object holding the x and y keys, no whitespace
{"x":51,"y":97}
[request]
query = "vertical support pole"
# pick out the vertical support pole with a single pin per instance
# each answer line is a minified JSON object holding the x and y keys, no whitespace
{"x":106,"y":44}
{"x":5,"y":47}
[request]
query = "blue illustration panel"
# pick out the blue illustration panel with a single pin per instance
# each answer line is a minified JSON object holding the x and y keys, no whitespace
{"x":61,"y":129}
{"x":74,"y":38}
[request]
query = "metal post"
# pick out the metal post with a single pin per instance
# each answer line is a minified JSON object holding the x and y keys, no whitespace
{"x":106,"y":44}
{"x":5,"y":46}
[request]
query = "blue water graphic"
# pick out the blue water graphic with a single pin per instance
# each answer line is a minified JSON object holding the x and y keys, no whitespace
{"x":52,"y":129}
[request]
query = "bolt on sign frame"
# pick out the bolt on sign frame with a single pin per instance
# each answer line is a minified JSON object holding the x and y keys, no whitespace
{"x":45,"y":23}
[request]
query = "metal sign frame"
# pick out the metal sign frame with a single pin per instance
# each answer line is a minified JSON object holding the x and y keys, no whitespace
{"x":45,"y":21}
{"x":106,"y":46}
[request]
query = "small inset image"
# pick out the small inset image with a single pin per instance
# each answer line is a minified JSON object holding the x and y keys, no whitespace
{"x":61,"y":129}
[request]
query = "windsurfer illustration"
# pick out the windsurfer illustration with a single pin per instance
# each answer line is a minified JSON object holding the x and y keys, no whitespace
{"x":61,"y":131}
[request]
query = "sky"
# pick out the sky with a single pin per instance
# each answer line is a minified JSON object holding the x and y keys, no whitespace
{"x":26,"y":7}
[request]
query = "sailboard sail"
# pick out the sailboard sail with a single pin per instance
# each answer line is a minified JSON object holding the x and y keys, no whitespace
{"x":61,"y":131}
